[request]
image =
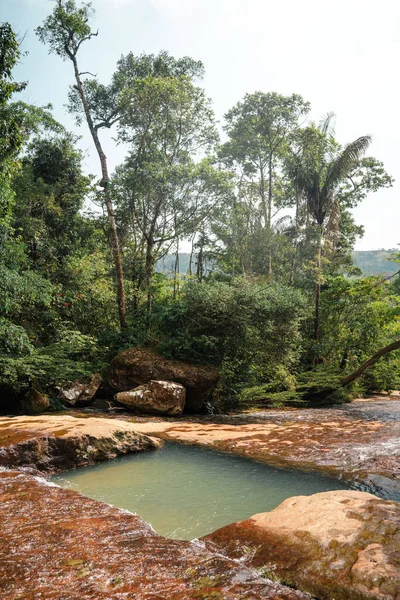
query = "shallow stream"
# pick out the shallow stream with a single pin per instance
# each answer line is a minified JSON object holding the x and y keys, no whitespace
{"x":186,"y":491}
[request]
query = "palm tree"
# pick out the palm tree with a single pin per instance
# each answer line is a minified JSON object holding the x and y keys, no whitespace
{"x":317,"y":169}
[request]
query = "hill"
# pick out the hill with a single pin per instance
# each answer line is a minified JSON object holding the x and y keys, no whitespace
{"x":376,"y":262}
{"x":372,"y":262}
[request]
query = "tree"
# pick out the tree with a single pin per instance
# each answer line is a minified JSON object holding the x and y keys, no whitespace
{"x":317,"y":170}
{"x":163,"y":193}
{"x":11,"y":129}
{"x":65,"y":30}
{"x":259,"y":128}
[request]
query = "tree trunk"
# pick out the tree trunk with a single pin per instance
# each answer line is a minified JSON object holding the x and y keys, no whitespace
{"x":296,"y":241}
{"x":369,"y":363}
{"x":105,"y":182}
{"x":176,"y":271}
{"x":324,"y":393}
{"x":318,"y":287}
{"x":270,"y":216}
{"x":149,"y":274}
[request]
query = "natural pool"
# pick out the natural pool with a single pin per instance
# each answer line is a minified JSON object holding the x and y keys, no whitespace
{"x":186,"y":491}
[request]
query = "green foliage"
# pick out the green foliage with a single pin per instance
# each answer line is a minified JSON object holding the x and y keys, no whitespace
{"x":67,"y":27}
{"x":14,"y":340}
{"x":249,"y":329}
{"x":252,"y":316}
{"x":71,"y":356}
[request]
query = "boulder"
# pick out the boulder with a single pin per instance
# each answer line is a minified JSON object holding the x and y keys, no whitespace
{"x":34,"y":402}
{"x":155,"y":398}
{"x":137,"y":366}
{"x":82,"y":391}
{"x":341,"y":544}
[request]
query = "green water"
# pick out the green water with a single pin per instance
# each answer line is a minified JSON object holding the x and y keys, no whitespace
{"x":186,"y":492}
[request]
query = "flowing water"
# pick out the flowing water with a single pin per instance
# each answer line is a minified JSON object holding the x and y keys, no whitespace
{"x":186,"y":492}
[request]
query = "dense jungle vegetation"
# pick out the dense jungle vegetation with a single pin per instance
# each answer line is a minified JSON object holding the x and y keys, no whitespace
{"x":261,"y":207}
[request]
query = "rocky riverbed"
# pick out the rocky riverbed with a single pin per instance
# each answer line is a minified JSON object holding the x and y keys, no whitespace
{"x":56,"y":543}
{"x":359,"y":441}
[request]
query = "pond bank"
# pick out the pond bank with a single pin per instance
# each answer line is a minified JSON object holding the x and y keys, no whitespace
{"x":56,"y":543}
{"x":359,"y":441}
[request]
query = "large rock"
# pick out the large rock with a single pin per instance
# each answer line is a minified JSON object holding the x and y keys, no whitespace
{"x":51,"y":443}
{"x":34,"y":402}
{"x":342,"y":545}
{"x":155,"y":398}
{"x":82,"y":391}
{"x":138,"y":366}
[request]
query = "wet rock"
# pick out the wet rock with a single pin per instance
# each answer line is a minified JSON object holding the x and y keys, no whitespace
{"x":59,"y":545}
{"x":138,"y":366}
{"x":360,"y":441}
{"x":342,"y":545}
{"x":82,"y":391}
{"x":34,"y":402}
{"x":56,"y":443}
{"x":155,"y":398}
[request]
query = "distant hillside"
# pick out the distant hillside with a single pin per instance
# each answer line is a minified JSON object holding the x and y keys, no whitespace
{"x":166,"y":265}
{"x":372,"y":262}
{"x":376,"y":262}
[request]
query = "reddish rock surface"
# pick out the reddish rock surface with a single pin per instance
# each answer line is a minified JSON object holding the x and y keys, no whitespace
{"x":138,"y":366}
{"x":360,"y":441}
{"x":56,"y":544}
{"x":57,"y":443}
{"x":342,"y":545}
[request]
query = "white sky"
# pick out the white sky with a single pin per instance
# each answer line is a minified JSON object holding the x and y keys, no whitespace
{"x":342,"y":56}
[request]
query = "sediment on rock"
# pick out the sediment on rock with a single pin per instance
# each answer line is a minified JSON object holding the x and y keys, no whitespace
{"x":57,"y":544}
{"x":57,"y":443}
{"x":341,"y":545}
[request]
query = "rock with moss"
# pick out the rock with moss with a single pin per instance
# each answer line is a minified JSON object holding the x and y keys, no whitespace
{"x":341,"y":544}
{"x":138,"y":366}
{"x":80,"y":392}
{"x":155,"y":398}
{"x":34,"y":402}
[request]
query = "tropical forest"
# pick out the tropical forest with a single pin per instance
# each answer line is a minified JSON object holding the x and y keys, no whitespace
{"x":203,"y":294}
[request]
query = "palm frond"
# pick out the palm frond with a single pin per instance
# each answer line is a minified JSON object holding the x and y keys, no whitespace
{"x":341,"y":166}
{"x":327,"y":124}
{"x":282,"y":224}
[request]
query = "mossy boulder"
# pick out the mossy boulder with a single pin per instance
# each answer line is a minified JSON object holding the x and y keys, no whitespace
{"x":138,"y":366}
{"x":34,"y":402}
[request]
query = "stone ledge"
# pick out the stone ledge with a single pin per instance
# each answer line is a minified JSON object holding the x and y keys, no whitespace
{"x":51,"y":443}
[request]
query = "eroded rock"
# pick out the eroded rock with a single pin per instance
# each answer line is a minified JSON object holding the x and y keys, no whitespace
{"x":341,"y":544}
{"x":82,"y":391}
{"x":34,"y":402}
{"x":57,"y":544}
{"x":56,"y":443}
{"x":138,"y":366}
{"x":155,"y":398}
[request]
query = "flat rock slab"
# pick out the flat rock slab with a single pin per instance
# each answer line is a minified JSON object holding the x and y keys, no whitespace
{"x":347,"y":441}
{"x":59,"y":545}
{"x":341,"y":545}
{"x":60,"y":442}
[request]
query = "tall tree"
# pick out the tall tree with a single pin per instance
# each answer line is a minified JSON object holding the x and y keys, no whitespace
{"x":164,"y":192}
{"x":259,"y":127}
{"x":11,"y":131}
{"x":317,"y":171}
{"x":65,"y":30}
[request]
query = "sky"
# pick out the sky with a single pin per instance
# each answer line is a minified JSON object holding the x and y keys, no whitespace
{"x":341,"y":56}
